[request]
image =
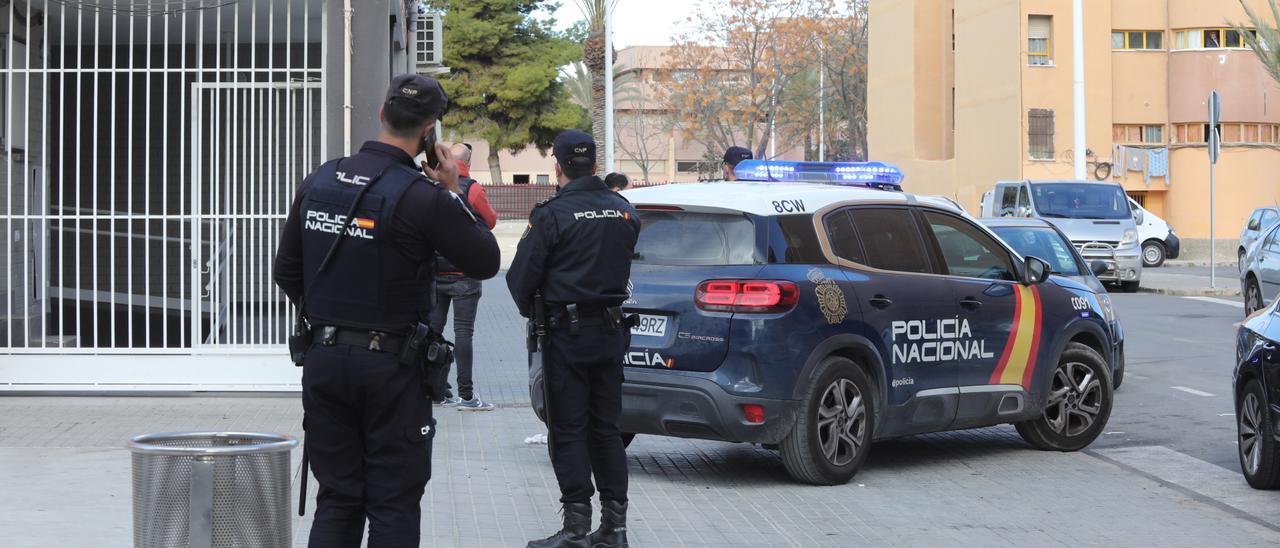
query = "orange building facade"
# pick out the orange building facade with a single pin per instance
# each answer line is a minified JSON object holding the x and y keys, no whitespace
{"x":963,"y":93}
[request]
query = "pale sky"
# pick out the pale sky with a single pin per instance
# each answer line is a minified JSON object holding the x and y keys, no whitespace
{"x":639,"y":22}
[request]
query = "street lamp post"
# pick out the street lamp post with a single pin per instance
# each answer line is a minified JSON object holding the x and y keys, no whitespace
{"x":1080,"y":147}
{"x":608,"y":86}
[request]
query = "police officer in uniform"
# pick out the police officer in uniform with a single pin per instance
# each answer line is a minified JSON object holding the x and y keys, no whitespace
{"x":367,"y":408}
{"x":577,"y":251}
{"x":732,"y":157}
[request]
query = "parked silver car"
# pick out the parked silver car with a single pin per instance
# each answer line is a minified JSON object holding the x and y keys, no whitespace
{"x":1261,"y":219}
{"x":1260,"y":270}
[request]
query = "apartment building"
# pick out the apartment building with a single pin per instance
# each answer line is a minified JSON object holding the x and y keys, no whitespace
{"x":963,"y":93}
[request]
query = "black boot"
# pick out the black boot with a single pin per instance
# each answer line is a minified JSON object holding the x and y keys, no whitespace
{"x":613,"y":526}
{"x":577,"y":524}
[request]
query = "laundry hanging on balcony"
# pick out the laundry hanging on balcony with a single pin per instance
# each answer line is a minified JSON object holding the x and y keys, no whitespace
{"x":1158,"y":165}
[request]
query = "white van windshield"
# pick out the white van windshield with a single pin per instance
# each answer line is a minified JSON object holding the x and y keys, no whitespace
{"x":1080,"y":201}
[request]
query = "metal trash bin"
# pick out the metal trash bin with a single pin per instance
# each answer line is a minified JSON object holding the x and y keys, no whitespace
{"x":211,"y":490}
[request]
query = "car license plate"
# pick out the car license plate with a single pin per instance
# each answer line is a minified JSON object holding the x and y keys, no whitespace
{"x":650,"y":326}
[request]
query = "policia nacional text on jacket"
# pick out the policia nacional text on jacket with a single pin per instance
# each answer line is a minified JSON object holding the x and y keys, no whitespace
{"x":368,"y":416}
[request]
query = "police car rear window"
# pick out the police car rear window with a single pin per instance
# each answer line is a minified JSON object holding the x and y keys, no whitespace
{"x":695,"y":239}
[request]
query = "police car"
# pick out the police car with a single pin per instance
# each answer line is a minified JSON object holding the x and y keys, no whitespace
{"x":816,"y":308}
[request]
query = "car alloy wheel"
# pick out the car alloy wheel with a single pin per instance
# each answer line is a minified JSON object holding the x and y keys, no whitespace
{"x":1252,"y":298}
{"x":842,"y":422}
{"x":1250,"y":443}
{"x":1075,"y":400}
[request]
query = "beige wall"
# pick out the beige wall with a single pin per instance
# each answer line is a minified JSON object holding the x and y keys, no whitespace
{"x":989,"y":133}
{"x":1246,"y":179}
{"x":1209,"y":13}
{"x":1239,"y":77}
{"x":891,"y":83}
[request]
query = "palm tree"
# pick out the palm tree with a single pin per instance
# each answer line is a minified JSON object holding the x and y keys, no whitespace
{"x":593,"y":57}
{"x":1265,"y":42}
{"x":580,"y":84}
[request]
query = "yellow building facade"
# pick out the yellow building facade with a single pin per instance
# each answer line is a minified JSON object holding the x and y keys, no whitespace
{"x":964,"y":93}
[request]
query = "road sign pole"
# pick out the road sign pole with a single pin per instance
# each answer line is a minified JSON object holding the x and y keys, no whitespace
{"x":1214,"y":139}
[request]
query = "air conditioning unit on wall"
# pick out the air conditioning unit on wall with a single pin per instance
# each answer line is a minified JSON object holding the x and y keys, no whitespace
{"x":427,"y":36}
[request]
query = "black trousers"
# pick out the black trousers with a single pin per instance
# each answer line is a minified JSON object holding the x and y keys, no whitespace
{"x":464,"y":295}
{"x":369,"y":432}
{"x":584,"y":378}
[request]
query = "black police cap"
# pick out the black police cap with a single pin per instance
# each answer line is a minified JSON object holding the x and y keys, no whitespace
{"x":420,"y":91}
{"x":574,"y":148}
{"x":737,"y":154}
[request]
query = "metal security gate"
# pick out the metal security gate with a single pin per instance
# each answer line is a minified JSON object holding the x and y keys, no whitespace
{"x":150,"y":149}
{"x":249,"y":137}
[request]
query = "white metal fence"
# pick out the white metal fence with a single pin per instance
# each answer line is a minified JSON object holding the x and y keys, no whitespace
{"x":150,"y":151}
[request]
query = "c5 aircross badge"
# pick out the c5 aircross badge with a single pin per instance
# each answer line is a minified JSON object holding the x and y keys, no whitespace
{"x":830,"y":297}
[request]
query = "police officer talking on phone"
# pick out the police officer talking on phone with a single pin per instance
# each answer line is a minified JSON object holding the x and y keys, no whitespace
{"x":576,"y":256}
{"x":355,"y":258}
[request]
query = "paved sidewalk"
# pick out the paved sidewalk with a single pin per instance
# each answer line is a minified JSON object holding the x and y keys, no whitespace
{"x":1191,"y":281}
{"x":67,"y":479}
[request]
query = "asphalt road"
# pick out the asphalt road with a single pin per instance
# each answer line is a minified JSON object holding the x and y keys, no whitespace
{"x":1180,"y":353}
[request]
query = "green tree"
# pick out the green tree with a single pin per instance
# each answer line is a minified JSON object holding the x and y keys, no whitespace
{"x":504,"y":84}
{"x":1265,"y":43}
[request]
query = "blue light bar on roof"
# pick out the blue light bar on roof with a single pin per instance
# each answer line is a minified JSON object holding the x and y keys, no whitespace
{"x":868,"y":174}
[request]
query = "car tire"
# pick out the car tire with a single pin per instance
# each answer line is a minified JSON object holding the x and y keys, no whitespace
{"x":1259,"y":454}
{"x":1252,"y":296}
{"x":627,"y":438}
{"x":1130,"y":287}
{"x":832,"y":435}
{"x":1153,"y":253}
{"x":1117,"y":377}
{"x":1073,"y":417}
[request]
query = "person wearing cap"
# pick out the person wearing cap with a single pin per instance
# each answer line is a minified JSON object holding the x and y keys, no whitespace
{"x":577,"y":253}
{"x":732,"y":157}
{"x":355,"y":258}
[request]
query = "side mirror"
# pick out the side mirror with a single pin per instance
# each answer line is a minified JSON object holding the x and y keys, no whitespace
{"x":1098,"y":268}
{"x":1254,"y":224}
{"x":1138,"y":217}
{"x":1037,"y":270}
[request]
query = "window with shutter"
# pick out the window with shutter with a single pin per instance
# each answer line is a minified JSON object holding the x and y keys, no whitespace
{"x":1039,"y":40}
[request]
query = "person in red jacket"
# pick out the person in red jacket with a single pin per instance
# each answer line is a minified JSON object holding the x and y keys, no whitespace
{"x":471,"y":190}
{"x":453,"y":288}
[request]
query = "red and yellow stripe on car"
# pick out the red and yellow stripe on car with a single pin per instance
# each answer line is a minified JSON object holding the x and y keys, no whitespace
{"x":1018,"y":361}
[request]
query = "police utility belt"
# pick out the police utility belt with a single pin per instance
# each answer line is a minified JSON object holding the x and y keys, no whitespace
{"x":577,"y":316}
{"x":420,"y":344}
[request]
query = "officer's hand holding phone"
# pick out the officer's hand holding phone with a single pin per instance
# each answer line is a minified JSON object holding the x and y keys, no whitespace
{"x":445,"y":171}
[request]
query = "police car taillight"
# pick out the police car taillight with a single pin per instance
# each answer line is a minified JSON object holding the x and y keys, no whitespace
{"x":747,"y":296}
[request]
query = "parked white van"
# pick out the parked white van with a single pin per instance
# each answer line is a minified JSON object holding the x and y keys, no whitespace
{"x":1157,"y":237}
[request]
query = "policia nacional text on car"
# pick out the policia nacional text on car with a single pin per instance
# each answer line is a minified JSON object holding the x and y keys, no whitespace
{"x":356,"y":257}
{"x":576,"y":257}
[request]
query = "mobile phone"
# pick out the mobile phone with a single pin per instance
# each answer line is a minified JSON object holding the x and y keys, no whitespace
{"x":429,"y":148}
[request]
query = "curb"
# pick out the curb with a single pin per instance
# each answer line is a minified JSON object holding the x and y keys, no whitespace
{"x":1190,"y":292}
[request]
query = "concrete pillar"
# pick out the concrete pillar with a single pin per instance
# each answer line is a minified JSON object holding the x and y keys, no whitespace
{"x":373,"y":43}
